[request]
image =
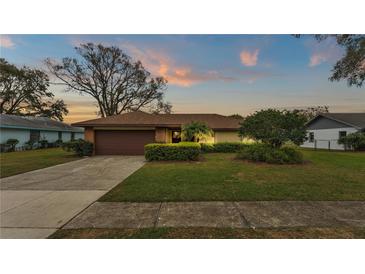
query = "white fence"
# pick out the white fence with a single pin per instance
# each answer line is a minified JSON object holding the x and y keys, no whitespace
{"x":330,"y":144}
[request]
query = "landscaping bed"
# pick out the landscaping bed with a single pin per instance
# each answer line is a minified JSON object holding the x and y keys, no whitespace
{"x":326,"y":175}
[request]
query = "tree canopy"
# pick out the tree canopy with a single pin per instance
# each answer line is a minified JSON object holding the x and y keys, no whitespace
{"x":274,"y":127}
{"x":351,"y":66}
{"x":24,"y":91}
{"x":112,"y":78}
{"x":236,"y":116}
{"x":311,"y":112}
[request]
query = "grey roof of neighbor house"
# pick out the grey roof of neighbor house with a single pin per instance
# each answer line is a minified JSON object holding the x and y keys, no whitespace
{"x":356,"y":120}
{"x":36,"y":123}
{"x":143,"y":119}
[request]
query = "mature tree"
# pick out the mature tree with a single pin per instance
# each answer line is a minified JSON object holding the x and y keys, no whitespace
{"x":24,"y":91}
{"x":236,"y":116}
{"x":312,"y":112}
{"x":351,"y":66}
{"x":112,"y":78}
{"x":274,"y":127}
{"x":195,"y":131}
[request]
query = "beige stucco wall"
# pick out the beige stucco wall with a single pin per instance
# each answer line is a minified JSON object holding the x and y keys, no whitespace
{"x":226,"y":136}
{"x":209,"y":140}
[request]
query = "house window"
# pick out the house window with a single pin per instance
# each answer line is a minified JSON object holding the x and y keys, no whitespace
{"x":176,"y":136}
{"x":72,"y":136}
{"x":34,"y":136}
{"x":342,"y":134}
{"x":60,"y":135}
{"x":311,"y":137}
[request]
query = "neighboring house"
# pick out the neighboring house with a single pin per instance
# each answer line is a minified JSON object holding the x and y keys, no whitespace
{"x":128,"y":133}
{"x":325,"y":129}
{"x":34,"y":129}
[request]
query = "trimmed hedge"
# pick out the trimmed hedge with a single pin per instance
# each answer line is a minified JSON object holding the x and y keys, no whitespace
{"x":184,"y":151}
{"x":224,"y":147}
{"x":268,"y":154}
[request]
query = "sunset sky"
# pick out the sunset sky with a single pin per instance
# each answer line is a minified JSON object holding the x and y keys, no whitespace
{"x":222,"y":74}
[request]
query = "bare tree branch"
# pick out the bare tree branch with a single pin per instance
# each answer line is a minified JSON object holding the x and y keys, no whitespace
{"x":117,"y":83}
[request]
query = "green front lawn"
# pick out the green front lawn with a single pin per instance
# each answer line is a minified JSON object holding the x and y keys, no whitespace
{"x":13,"y":163}
{"x":325,"y":176}
{"x":210,"y":233}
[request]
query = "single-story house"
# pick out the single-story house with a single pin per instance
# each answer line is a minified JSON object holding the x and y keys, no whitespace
{"x":35,"y":129}
{"x":127,"y":133}
{"x":325,"y":129}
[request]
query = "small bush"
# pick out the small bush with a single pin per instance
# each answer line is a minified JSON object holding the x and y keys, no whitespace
{"x":5,"y":148}
{"x":224,"y":147}
{"x":207,"y":147}
{"x":80,"y":147}
{"x":12,"y":143}
{"x":69,"y":146}
{"x":268,"y":154}
{"x":43,"y":143}
{"x":184,"y":151}
{"x":58,"y":143}
{"x":29,"y":145}
{"x":294,"y":156}
{"x":354,"y":141}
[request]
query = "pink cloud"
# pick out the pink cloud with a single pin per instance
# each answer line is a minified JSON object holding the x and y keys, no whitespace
{"x":325,"y":51}
{"x":249,"y":58}
{"x":6,"y":42}
{"x":161,"y":64}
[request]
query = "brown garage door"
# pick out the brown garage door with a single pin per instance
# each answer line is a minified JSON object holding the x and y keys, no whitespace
{"x":123,"y":142}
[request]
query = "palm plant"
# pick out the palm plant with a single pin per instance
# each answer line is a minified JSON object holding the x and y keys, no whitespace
{"x":195,"y":131}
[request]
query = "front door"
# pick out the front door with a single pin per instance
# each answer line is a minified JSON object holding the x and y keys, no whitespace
{"x":176,"y":136}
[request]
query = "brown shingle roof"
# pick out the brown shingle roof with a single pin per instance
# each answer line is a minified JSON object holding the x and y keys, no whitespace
{"x":141,"y":119}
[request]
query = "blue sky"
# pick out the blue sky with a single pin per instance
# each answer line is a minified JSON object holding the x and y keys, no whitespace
{"x":223,"y":74}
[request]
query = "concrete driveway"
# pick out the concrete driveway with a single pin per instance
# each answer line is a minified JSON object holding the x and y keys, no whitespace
{"x":37,"y":203}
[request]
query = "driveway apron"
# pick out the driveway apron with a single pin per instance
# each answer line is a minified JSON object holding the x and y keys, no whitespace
{"x":36,"y":203}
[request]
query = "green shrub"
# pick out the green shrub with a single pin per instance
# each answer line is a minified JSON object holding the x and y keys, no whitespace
{"x":224,"y":147}
{"x":354,"y":141}
{"x":12,"y":143}
{"x":229,"y":147}
{"x":207,"y":147}
{"x":268,"y":154}
{"x":58,"y":143}
{"x":294,"y":156}
{"x":80,"y":147}
{"x":184,"y":151}
{"x":43,"y":143}
{"x":30,"y":144}
{"x":69,"y":146}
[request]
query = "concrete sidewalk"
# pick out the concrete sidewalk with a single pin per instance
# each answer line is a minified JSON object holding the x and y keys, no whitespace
{"x":222,"y":214}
